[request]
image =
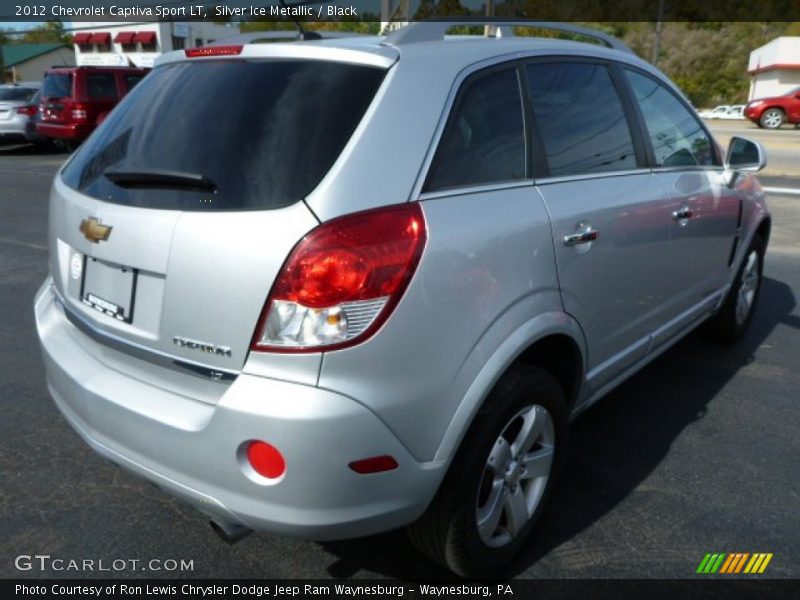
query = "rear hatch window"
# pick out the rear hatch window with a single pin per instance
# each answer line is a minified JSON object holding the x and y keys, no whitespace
{"x":57,"y":85}
{"x":16,"y":94}
{"x":225,"y":135}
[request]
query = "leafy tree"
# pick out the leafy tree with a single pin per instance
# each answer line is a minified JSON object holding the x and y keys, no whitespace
{"x":48,"y":32}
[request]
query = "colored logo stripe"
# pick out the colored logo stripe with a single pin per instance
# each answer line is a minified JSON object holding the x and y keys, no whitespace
{"x":758,"y":563}
{"x":710,"y":563}
{"x":734,"y":562}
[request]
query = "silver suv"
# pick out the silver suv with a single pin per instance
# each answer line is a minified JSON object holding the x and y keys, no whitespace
{"x":329,"y":288}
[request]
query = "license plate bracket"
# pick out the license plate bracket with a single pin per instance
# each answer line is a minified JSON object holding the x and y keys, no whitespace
{"x":108,"y":288}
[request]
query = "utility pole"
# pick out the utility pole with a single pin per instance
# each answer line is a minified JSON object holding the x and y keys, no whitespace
{"x":657,"y":43}
{"x":489,"y":30}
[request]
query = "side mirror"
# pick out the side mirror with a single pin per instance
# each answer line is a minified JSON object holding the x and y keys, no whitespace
{"x":744,"y":155}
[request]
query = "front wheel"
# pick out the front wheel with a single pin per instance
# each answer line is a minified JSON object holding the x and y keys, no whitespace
{"x":772,"y":118}
{"x":500,"y":479}
{"x":734,"y":316}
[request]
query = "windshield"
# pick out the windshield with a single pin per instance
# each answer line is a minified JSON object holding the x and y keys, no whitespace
{"x":17,"y":94}
{"x":264,"y":132}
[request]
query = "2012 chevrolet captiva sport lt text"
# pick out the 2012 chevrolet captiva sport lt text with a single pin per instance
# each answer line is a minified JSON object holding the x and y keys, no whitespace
{"x":330,"y":288}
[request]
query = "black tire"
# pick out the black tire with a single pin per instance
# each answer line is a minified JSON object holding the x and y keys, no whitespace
{"x":725,"y":326}
{"x":448,"y":532}
{"x":772,"y":118}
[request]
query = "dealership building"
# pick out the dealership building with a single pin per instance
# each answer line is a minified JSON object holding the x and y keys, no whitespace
{"x":774,"y":68}
{"x":139,"y":44}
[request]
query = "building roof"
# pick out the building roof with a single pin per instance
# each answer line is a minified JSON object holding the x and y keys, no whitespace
{"x":780,"y":53}
{"x":15,"y":54}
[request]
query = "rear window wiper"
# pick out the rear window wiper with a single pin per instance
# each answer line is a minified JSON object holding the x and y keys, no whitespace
{"x":160,"y":178}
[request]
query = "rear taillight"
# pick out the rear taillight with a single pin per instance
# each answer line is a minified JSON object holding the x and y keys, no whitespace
{"x":26,"y":110}
{"x":79,"y":112}
{"x":341,"y":282}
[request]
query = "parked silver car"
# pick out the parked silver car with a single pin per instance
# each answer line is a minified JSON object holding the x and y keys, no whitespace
{"x":18,"y":110}
{"x":372,"y":287}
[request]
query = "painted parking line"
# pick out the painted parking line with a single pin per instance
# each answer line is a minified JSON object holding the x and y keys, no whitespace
{"x":781,"y":190}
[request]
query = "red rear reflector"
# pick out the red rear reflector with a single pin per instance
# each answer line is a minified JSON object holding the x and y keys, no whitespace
{"x":376,"y":464}
{"x":213,"y":51}
{"x":266,"y":460}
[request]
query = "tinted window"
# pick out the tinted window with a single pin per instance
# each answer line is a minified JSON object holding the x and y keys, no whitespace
{"x":132,"y":80}
{"x":484,"y":139}
{"x":580,"y":118}
{"x":21,"y":94}
{"x":677,"y":137}
{"x":101,"y":85}
{"x":57,"y":85}
{"x":263,"y":132}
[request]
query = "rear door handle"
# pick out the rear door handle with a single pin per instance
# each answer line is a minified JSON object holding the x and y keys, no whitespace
{"x":684,"y":213}
{"x":584,"y":234}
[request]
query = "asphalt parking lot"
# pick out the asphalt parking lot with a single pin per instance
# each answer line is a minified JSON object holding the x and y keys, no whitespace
{"x":697,"y":453}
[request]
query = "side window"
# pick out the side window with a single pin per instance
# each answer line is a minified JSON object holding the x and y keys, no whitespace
{"x":580,"y":118}
{"x":132,"y":80}
{"x":484,"y":139}
{"x":677,"y":137}
{"x":101,"y":85}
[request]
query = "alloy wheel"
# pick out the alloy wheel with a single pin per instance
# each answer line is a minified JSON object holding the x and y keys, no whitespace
{"x":773,"y":119}
{"x":515,"y":475}
{"x":748,"y":287}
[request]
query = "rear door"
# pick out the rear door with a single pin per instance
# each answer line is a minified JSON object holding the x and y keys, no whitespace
{"x":609,"y":214}
{"x":704,"y":211}
{"x":169,"y":225}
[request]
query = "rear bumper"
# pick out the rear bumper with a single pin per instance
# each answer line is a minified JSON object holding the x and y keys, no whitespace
{"x":18,"y":127}
{"x":68,"y":131}
{"x":190,"y":448}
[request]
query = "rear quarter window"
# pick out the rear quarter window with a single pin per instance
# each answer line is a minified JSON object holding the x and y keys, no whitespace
{"x":263,"y":132}
{"x":101,"y":86}
{"x":484,"y":139}
{"x":132,"y":80}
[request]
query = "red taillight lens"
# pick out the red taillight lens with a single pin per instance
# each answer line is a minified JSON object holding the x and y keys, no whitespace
{"x":265,"y":459}
{"x":213,"y":51}
{"x":342,"y":281}
{"x":26,"y":110}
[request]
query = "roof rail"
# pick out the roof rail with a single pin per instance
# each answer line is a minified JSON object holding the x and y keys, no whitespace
{"x":432,"y":30}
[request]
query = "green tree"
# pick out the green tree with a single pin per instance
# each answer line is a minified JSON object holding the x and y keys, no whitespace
{"x":48,"y":32}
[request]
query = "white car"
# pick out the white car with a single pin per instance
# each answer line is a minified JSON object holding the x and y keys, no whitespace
{"x":716,"y":112}
{"x":734,"y":112}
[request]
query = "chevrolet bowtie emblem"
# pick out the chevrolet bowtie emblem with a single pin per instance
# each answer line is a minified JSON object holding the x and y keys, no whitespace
{"x":94,"y":231}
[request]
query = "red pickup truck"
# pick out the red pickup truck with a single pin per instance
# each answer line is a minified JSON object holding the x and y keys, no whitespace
{"x":773,"y":112}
